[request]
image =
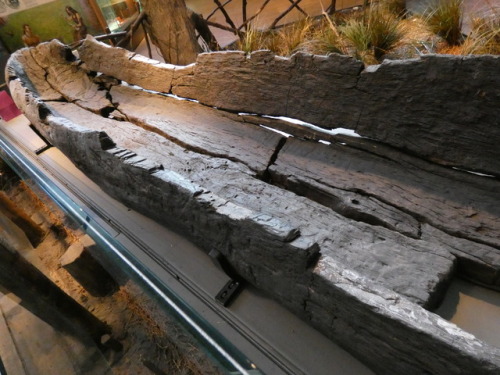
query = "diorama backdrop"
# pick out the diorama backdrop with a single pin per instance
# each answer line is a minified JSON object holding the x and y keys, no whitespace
{"x":47,"y":19}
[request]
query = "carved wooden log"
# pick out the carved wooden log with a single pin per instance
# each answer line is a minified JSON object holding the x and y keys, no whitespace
{"x":348,"y":256}
{"x":412,"y":104}
{"x":172,"y":30}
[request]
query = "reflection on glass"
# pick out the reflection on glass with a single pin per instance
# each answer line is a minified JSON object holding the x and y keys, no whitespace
{"x":119,"y":13}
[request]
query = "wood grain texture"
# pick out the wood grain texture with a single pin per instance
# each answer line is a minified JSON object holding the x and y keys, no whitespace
{"x":353,"y":237}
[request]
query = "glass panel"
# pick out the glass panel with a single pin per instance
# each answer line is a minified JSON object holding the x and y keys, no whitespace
{"x":122,"y":265}
{"x":119,"y":13}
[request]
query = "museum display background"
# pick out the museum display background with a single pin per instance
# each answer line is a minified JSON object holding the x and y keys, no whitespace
{"x":49,"y":20}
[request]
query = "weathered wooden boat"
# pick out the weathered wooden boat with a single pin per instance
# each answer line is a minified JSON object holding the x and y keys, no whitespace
{"x":360,"y":236}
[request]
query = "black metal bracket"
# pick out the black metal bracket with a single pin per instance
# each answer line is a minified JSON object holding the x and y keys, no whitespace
{"x":38,"y":151}
{"x":229,"y":292}
{"x":234,"y":286}
{"x":47,"y":143}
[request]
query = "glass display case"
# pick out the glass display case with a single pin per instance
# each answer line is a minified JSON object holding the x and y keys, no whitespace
{"x":102,"y":327}
{"x":119,"y":13}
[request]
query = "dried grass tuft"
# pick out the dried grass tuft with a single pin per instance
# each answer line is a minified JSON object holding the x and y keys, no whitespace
{"x":484,"y":37}
{"x":375,"y":32}
{"x":396,"y":7}
{"x":252,"y":40}
{"x":445,"y":19}
{"x":290,"y":39}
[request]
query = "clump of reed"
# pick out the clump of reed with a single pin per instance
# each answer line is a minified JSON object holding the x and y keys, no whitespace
{"x":374,"y":32}
{"x":445,"y":19}
{"x":370,"y":32}
{"x":396,"y":7}
{"x":484,"y":37}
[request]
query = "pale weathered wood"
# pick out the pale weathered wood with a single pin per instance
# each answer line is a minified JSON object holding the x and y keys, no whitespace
{"x":412,"y":105}
{"x":25,"y":66}
{"x":270,"y":203}
{"x":128,"y":66}
{"x":172,"y":31}
{"x":64,"y":76}
{"x":197,"y":128}
{"x":379,"y":254}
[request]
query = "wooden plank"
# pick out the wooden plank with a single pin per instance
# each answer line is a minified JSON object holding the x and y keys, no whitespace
{"x":8,"y":350}
{"x":462,"y":206}
{"x":197,"y":128}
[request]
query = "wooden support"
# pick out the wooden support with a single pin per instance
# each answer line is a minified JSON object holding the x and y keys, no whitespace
{"x":222,"y":27}
{"x":28,"y":283}
{"x":296,"y":5}
{"x":244,"y":12}
{"x":332,"y":8}
{"x":172,"y":31}
{"x":111,"y":36}
{"x":216,"y":9}
{"x":132,"y":29}
{"x":148,"y":44}
{"x":80,"y":263}
{"x":293,"y":5}
{"x":226,"y":15}
{"x":33,"y":231}
{"x":244,"y":24}
{"x":201,"y":26}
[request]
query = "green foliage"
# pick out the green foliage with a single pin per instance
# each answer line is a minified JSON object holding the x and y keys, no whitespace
{"x":252,"y":40}
{"x":284,"y":41}
{"x":357,"y":32}
{"x":385,"y":31}
{"x":445,"y":19}
{"x":290,"y":38}
{"x":369,"y":34}
{"x":376,"y":30}
{"x":325,"y":39}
